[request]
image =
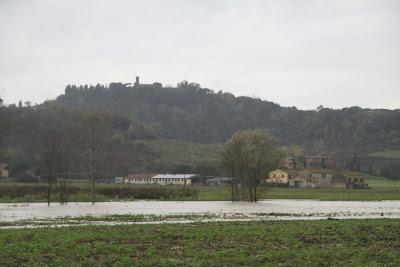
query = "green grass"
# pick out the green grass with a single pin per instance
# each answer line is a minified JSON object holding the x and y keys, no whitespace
{"x":286,"y":243}
{"x":388,"y":154}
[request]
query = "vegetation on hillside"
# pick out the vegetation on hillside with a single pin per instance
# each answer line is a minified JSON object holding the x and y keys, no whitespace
{"x":189,"y":112}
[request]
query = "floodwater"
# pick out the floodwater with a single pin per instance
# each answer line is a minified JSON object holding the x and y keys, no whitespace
{"x":11,"y":212}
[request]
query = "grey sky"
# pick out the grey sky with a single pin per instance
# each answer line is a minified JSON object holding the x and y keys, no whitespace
{"x":295,"y":53}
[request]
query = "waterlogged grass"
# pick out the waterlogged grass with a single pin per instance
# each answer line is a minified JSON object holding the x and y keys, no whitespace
{"x":112,"y":219}
{"x":141,"y":218}
{"x":307,"y":243}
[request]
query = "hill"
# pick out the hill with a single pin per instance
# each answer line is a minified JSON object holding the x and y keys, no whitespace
{"x":161,"y":129}
{"x":189,"y":112}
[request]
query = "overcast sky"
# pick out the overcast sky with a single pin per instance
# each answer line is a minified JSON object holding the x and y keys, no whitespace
{"x":295,"y":53}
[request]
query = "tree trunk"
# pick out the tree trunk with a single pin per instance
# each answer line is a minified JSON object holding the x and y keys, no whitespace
{"x":93,"y":194}
{"x":49,"y":191}
{"x":232,"y":192}
{"x":93,"y":159}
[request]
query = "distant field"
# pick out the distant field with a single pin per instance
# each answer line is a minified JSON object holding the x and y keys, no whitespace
{"x":272,"y":243}
{"x":388,"y":154}
{"x":381,"y":189}
{"x":181,"y":152}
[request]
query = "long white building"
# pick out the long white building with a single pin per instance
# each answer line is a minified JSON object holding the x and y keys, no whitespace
{"x":162,"y":179}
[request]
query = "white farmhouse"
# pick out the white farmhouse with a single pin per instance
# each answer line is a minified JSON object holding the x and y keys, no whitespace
{"x":162,"y":179}
{"x":173,"y":179}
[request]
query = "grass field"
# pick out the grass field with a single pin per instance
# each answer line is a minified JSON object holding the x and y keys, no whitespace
{"x":294,"y":243}
{"x":381,"y":189}
{"x":388,"y":154}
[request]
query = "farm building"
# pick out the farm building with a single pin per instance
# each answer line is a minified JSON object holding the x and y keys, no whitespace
{"x":139,"y":178}
{"x":3,"y":170}
{"x":119,"y":180}
{"x":317,"y":177}
{"x":219,"y":181}
{"x":298,"y":182}
{"x":173,"y":179}
{"x":355,"y":179}
{"x":281,"y":177}
{"x":278,"y":177}
{"x":162,"y":179}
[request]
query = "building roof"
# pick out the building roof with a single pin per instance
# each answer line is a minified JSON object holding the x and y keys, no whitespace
{"x":353,"y":173}
{"x":310,"y":171}
{"x":319,"y":157}
{"x":291,"y":172}
{"x":173,"y":176}
{"x":298,"y":178}
{"x":279,"y":170}
{"x":140,"y":176}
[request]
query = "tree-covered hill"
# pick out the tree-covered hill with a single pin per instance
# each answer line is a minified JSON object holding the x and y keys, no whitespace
{"x":155,"y":128}
{"x":189,"y":112}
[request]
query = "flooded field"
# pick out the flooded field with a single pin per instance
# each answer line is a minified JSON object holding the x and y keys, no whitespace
{"x":285,"y":208}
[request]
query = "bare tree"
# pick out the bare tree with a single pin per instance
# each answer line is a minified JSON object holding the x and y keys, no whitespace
{"x":57,"y":153}
{"x":64,"y":163}
{"x":50,"y":156}
{"x":92,"y":134}
{"x":248,"y":157}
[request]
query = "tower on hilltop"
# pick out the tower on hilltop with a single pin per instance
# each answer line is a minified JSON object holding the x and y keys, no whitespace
{"x":137,"y":81}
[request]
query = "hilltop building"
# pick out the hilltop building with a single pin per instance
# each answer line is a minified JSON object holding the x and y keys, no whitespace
{"x":153,"y":85}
